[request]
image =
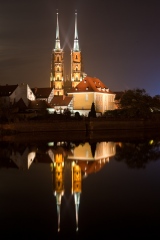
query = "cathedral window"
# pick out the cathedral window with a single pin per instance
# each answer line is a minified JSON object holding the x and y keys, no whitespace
{"x":76,"y":56}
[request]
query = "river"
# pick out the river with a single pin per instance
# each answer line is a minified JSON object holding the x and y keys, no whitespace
{"x":80,"y":189}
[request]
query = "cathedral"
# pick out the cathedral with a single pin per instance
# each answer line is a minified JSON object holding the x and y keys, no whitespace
{"x":75,"y":92}
{"x":82,"y":89}
{"x":58,"y":80}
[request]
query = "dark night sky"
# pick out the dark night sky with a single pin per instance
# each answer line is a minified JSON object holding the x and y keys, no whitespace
{"x":119,"y":40}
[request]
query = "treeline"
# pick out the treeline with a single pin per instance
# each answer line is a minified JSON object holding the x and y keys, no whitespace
{"x":136,"y":103}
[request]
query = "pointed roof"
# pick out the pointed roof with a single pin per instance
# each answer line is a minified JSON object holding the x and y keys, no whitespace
{"x":60,"y":101}
{"x":76,"y":42}
{"x":42,"y":92}
{"x":90,"y":84}
{"x":77,"y":203}
{"x":57,"y":42}
{"x":58,"y":202}
{"x":38,"y":105}
{"x":7,"y":90}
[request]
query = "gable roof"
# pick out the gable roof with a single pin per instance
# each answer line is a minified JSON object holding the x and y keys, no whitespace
{"x":7,"y":90}
{"x":42,"y":92}
{"x":90,"y":84}
{"x":38,"y":104}
{"x":60,"y":101}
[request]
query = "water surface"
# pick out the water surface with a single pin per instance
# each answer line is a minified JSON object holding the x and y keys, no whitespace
{"x":77,"y":190}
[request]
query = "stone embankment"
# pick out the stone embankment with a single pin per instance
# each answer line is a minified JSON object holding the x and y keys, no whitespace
{"x":86,"y":125}
{"x":140,"y":124}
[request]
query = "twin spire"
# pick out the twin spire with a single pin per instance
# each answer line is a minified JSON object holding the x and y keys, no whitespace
{"x":76,"y":42}
{"x":57,"y":43}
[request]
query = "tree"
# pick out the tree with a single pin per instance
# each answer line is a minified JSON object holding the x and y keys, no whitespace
{"x":77,"y":115}
{"x":156,"y":103}
{"x":67,"y":112}
{"x":92,"y":113}
{"x":137,"y":102}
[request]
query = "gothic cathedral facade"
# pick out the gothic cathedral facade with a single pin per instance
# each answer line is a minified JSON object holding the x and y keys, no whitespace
{"x":58,"y":81}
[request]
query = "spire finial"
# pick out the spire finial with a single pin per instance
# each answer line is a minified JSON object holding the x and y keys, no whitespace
{"x":57,"y":43}
{"x":76,"y":43}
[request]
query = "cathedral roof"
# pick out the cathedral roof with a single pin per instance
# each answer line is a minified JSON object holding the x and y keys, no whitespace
{"x":90,"y":84}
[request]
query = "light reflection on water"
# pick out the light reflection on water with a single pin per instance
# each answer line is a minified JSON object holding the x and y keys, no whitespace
{"x":79,"y":189}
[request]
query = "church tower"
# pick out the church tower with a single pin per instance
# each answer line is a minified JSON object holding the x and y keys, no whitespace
{"x":76,"y":59}
{"x":57,"y":66}
{"x":58,"y":181}
{"x":76,"y":188}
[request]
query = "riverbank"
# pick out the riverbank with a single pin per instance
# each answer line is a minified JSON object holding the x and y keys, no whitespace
{"x":80,"y":129}
{"x":77,"y":125}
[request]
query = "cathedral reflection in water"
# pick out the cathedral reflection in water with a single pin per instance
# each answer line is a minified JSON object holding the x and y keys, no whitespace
{"x":72,"y":162}
{"x":83,"y":159}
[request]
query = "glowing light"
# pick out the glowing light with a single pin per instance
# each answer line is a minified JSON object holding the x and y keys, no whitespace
{"x":151,"y":142}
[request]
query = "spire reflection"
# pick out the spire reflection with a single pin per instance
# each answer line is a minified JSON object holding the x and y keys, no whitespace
{"x":83,"y":159}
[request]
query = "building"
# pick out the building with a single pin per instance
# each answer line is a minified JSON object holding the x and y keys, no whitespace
{"x":57,"y":66}
{"x":92,"y":90}
{"x":75,"y":91}
{"x":84,"y":90}
{"x":44,"y":94}
{"x":58,"y":80}
{"x":11,"y":94}
{"x":77,"y":165}
{"x":60,"y":103}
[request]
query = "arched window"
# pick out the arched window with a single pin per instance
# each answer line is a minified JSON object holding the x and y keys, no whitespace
{"x":76,"y":67}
